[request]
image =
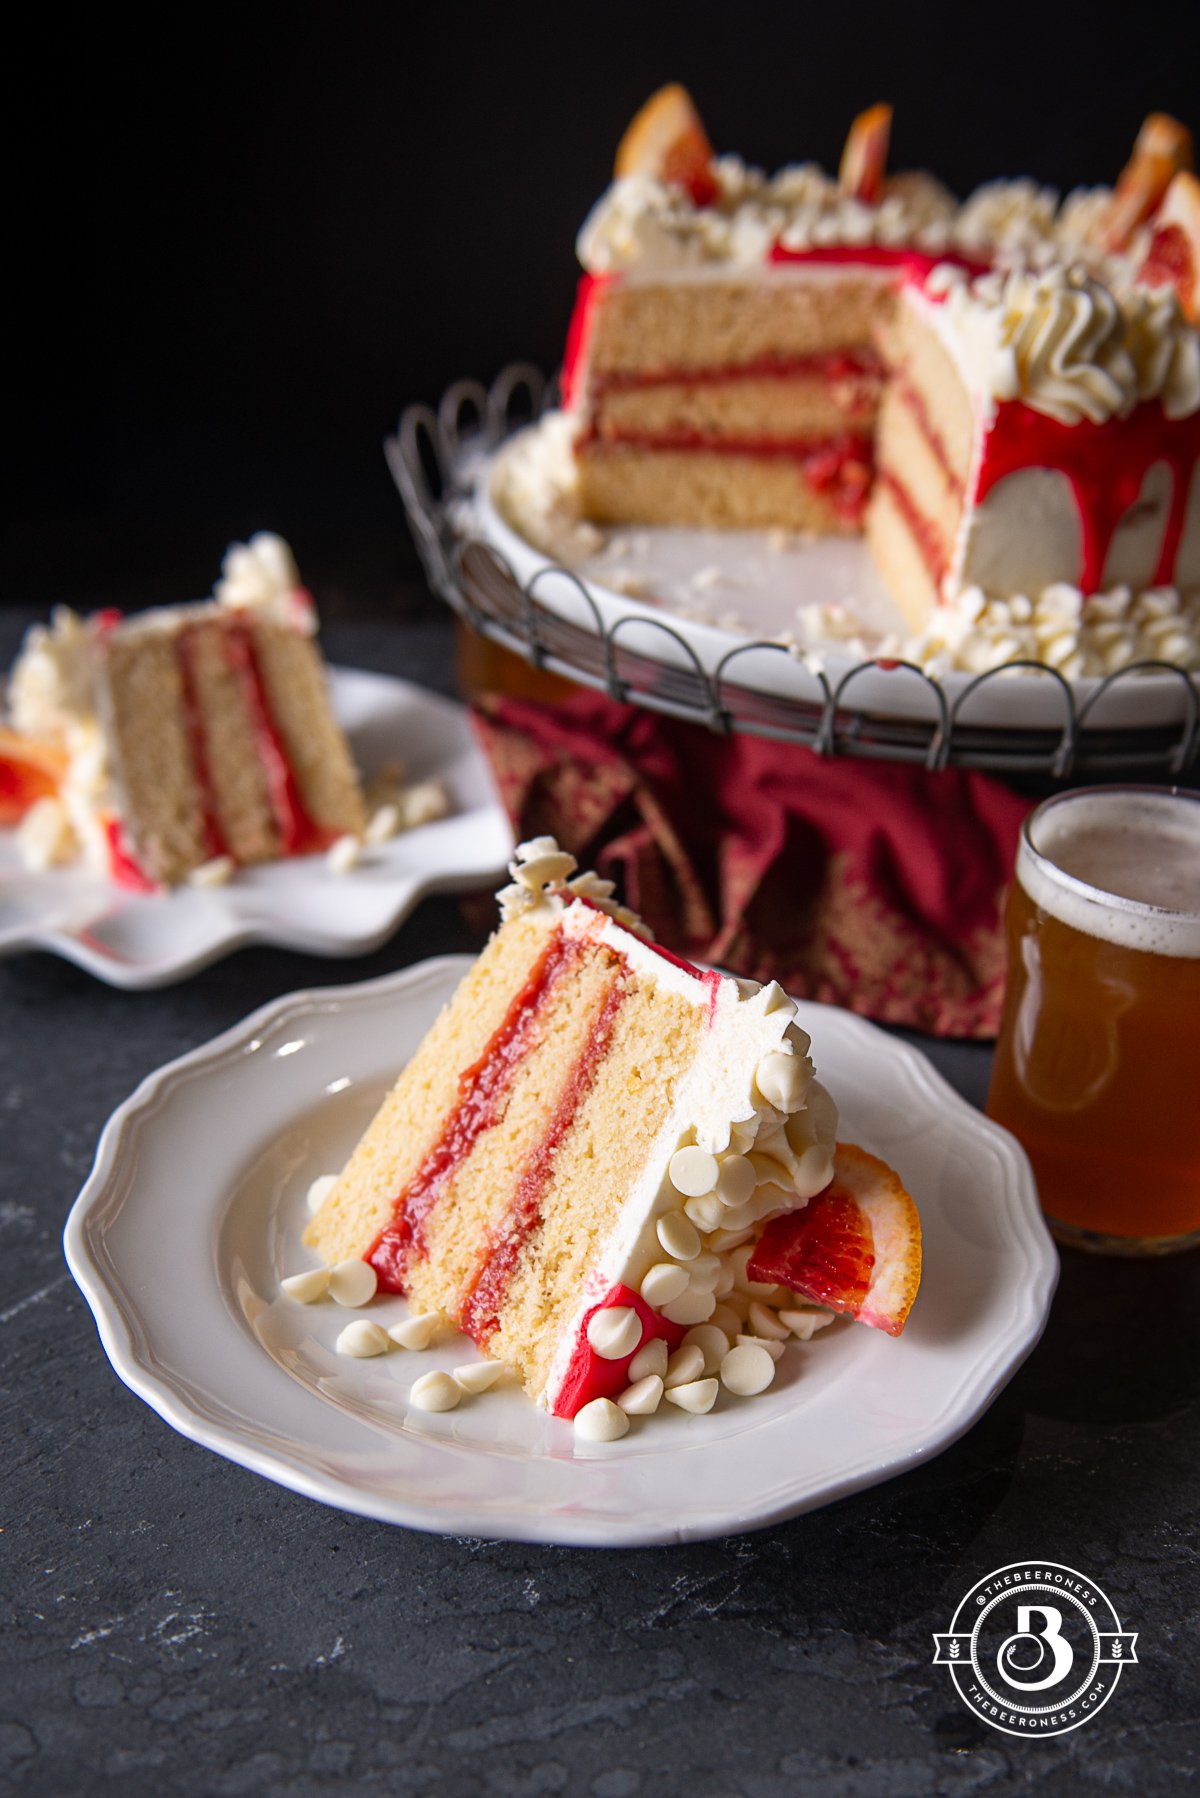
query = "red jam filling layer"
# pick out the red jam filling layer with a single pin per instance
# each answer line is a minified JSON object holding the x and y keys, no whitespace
{"x":482,"y":1089}
{"x":926,"y":538}
{"x":123,"y":867}
{"x":589,"y":1375}
{"x":298,"y":831}
{"x":839,"y":468}
{"x":481,"y":1311}
{"x":1105,"y":465}
{"x":828,"y":365}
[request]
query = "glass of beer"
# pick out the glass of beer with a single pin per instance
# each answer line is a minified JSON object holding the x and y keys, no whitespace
{"x":1097,"y":1068}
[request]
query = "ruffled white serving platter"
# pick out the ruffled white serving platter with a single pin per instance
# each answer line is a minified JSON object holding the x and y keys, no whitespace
{"x":137,"y":941}
{"x":719,"y":592}
{"x":195,"y":1208}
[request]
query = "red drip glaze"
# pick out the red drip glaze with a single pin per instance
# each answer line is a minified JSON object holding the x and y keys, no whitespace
{"x":578,"y":335}
{"x":927,"y":539}
{"x":214,"y":836}
{"x":298,"y":831}
{"x":1105,"y":465}
{"x":829,"y":365}
{"x":123,"y":868}
{"x":480,"y":1313}
{"x":589,"y":1375}
{"x":481,"y":1091}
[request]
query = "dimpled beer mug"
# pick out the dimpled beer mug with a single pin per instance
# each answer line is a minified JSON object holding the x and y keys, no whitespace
{"x":1097,"y":1068}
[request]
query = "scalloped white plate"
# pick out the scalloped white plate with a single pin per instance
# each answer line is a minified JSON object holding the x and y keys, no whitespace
{"x":195,"y":1209}
{"x":723,"y":591}
{"x":137,"y":941}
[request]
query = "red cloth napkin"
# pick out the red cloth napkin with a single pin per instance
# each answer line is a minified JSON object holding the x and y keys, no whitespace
{"x":872,"y":886}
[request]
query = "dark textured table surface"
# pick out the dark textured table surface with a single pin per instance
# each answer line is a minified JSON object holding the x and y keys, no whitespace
{"x":174,"y":1624}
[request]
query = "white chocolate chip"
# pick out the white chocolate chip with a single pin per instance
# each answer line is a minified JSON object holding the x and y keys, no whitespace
{"x":436,"y":1391}
{"x":736,"y":1180}
{"x":643,"y":1398}
{"x":424,"y":803}
{"x":416,"y":1332}
{"x":664,"y":1282}
{"x":353,"y":1283}
{"x":724,"y":1285}
{"x":601,"y":1421}
{"x":805,"y":1324}
{"x":693,"y":1171}
{"x":721,"y":1241}
{"x":343,"y":856}
{"x":723,"y":1318}
{"x":692,"y":1307}
{"x":362,"y":1339}
{"x":543,"y":870}
{"x":678,"y":1236}
{"x":773,"y":1348}
{"x":704,"y":1272}
{"x":650,"y":1359}
{"x":712,"y":1343}
{"x":319,"y":1191}
{"x":747,"y":1369}
{"x":766,"y":1323}
{"x":383,"y":824}
{"x":535,"y":846}
{"x":614,"y":1331}
{"x":697,"y":1396}
{"x":215,"y":873}
{"x":687,"y":1363}
{"x":706,"y":1213}
{"x":478,"y":1376}
{"x":306,"y":1288}
{"x":45,"y":838}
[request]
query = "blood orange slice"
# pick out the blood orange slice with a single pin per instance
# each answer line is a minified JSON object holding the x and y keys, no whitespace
{"x":1163,"y":147}
{"x":667,"y":140}
{"x":1174,"y":254}
{"x":29,"y":771}
{"x":855,"y":1247}
{"x":864,"y":158}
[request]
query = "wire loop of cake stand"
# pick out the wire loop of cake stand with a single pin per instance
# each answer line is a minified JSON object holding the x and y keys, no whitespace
{"x":433,"y":458}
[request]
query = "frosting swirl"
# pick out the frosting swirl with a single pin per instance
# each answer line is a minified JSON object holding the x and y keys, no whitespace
{"x":1164,"y":349}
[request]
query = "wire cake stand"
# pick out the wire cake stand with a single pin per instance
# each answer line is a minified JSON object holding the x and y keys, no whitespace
{"x":643,"y":657}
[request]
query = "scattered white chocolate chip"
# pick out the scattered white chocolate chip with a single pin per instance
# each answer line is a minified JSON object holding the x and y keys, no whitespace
{"x":706,"y":1213}
{"x":601,"y":1421}
{"x":736,"y":1180}
{"x":45,"y":838}
{"x":747,"y":1369}
{"x":543,"y":870}
{"x":352,"y":1283}
{"x":423,"y":803}
{"x":766,"y":1323}
{"x":684,"y":1365}
{"x":478,"y":1376}
{"x":805,"y":1324}
{"x":344,"y":855}
{"x":614,"y":1331}
{"x":643,"y":1398}
{"x":696,"y":1396}
{"x":416,"y":1332}
{"x":704,"y":1272}
{"x":773,"y":1348}
{"x":535,"y":846}
{"x":721,"y":1241}
{"x":693,"y":1171}
{"x":692,"y":1307}
{"x":664,"y":1282}
{"x":723,"y":1318}
{"x":712,"y":1343}
{"x":306,"y":1288}
{"x":436,"y":1391}
{"x":650,"y":1359}
{"x":319,"y":1191}
{"x":383,"y":824}
{"x":362,"y":1339}
{"x":678,"y":1236}
{"x":214,"y":873}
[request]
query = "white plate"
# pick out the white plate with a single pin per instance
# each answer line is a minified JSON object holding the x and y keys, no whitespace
{"x":703,"y":576}
{"x":136,"y":941}
{"x":196,"y":1205}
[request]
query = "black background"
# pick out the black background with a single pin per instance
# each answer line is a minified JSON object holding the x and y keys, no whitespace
{"x":245,"y":242}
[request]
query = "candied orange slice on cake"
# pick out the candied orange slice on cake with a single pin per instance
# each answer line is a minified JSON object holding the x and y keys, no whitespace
{"x":29,"y":771}
{"x":667,"y":140}
{"x":1174,"y":253}
{"x":1163,"y":148}
{"x":864,"y":159}
{"x":855,"y":1247}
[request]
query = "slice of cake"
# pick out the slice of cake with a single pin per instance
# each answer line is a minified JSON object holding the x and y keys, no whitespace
{"x":584,"y":1145}
{"x":196,"y":736}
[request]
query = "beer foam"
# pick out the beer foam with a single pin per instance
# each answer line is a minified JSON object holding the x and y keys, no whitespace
{"x":1121,"y":864}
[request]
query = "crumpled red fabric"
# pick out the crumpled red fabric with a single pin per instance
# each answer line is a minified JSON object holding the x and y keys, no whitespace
{"x":873,"y":886}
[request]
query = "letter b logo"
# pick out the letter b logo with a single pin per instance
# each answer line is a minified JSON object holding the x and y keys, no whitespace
{"x":1021,"y":1657}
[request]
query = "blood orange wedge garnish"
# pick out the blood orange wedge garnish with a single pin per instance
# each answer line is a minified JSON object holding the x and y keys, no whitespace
{"x":1163,"y":147}
{"x":855,"y":1247}
{"x":864,"y":158}
{"x":29,"y":771}
{"x":1174,"y":254}
{"x":667,"y":140}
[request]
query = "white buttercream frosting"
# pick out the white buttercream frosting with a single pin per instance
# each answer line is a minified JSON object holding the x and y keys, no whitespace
{"x":261,"y":576}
